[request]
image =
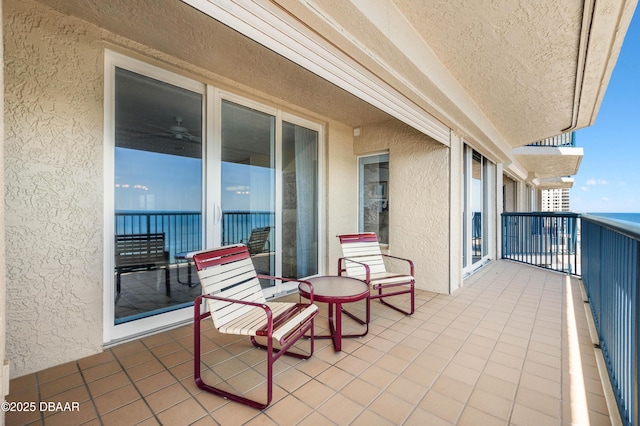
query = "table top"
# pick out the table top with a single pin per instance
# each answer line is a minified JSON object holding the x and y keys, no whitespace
{"x":335,"y":289}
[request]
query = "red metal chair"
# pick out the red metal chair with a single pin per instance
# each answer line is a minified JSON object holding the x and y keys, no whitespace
{"x":235,"y":302}
{"x":362,"y":259}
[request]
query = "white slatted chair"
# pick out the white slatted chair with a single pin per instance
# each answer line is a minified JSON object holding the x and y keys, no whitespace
{"x":362,"y":259}
{"x":235,"y":302}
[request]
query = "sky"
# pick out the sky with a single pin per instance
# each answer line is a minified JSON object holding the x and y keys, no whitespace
{"x":608,"y":179}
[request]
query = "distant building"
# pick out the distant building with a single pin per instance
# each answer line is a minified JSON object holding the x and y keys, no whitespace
{"x":555,"y":200}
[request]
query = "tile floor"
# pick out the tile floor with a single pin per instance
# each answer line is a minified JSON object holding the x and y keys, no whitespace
{"x":502,"y":350}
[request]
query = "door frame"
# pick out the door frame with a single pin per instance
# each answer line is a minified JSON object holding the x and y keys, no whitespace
{"x":211,"y":179}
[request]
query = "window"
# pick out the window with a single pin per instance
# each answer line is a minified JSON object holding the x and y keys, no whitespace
{"x":157,"y":192}
{"x":479,"y":199}
{"x":373,"y":196}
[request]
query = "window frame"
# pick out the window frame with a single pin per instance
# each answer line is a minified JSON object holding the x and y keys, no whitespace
{"x":362,"y":161}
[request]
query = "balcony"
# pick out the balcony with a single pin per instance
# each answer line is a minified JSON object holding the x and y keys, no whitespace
{"x":552,"y":159}
{"x":606,"y":254}
{"x":511,"y":347}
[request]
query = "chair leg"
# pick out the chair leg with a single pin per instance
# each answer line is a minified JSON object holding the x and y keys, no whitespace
{"x":167,"y":281}
{"x":272,"y":356}
{"x":382,"y":298}
{"x":359,"y":320}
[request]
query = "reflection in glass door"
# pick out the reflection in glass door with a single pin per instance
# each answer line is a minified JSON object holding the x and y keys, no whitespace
{"x":299,"y":201}
{"x":477,"y":207}
{"x":248,"y":183}
{"x":478,"y":214}
{"x":157,"y":194}
{"x":373,"y":196}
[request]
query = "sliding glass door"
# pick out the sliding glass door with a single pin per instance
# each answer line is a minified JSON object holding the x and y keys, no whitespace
{"x":187,"y":168}
{"x":299,"y":201}
{"x":479,"y":208}
{"x":157,"y":194}
{"x":248,"y":173}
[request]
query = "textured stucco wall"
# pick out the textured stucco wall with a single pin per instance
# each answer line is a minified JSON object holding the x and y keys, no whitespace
{"x":3,"y":281}
{"x":342,"y":191}
{"x":53,"y":181}
{"x":418,"y":198}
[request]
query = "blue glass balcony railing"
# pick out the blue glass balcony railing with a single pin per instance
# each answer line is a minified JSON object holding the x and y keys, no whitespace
{"x":611,"y":277}
{"x":606,"y":254}
{"x":565,"y":139}
{"x":548,"y":240}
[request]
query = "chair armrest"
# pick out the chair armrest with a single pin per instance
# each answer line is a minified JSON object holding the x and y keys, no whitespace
{"x":348,"y":259}
{"x":410,"y":262}
{"x":270,"y":277}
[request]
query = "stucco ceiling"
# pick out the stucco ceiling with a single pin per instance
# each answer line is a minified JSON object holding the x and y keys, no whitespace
{"x":517,"y":59}
{"x":548,"y":161}
{"x":501,"y":74}
{"x":180,"y":31}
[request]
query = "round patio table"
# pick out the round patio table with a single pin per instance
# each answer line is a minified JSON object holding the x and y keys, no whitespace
{"x":336,"y":290}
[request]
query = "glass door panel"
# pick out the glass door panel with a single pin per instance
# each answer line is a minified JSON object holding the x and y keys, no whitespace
{"x":477,"y":207}
{"x":373,"y":196}
{"x":299,"y":201}
{"x":248,"y":183}
{"x":157,"y":194}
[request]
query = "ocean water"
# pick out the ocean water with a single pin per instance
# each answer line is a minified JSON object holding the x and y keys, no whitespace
{"x":629,"y":217}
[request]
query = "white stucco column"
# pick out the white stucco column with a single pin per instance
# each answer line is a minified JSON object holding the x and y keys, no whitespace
{"x":455,"y":212}
{"x":499,"y":208}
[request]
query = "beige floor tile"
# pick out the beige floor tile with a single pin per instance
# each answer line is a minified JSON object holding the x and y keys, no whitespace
{"x":368,"y":418}
{"x":289,"y":410}
{"x":492,"y":404}
{"x":496,"y":386}
{"x":85,"y":414}
{"x":541,"y":384}
{"x":129,"y":360}
{"x":314,"y":419}
{"x":335,"y":378}
{"x":377,"y":376}
{"x":421,"y":417}
{"x":508,"y":374}
{"x":95,"y":360}
{"x":423,"y":376}
{"x":489,"y":354}
{"x":452,"y":388}
{"x":155,"y":382}
{"x":471,"y":416}
{"x":166,"y":397}
{"x":185,"y":412}
{"x":461,"y":373}
{"x":101,"y":370}
{"x":539,"y":401}
{"x":340,"y":410}
{"x":314,"y":393}
{"x":526,"y":416}
{"x":392,"y":407}
{"x":56,"y":386}
{"x":442,"y":406}
{"x":129,"y":348}
{"x":108,"y":383}
{"x":57,"y":372}
{"x":292,"y":379}
{"x":407,"y":390}
{"x":116,"y":399}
